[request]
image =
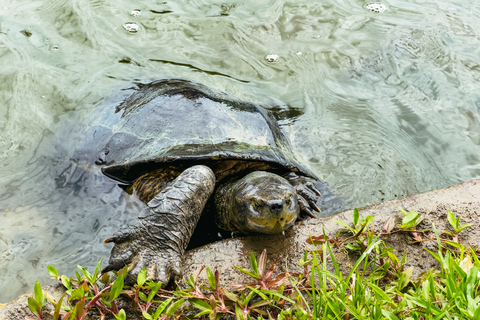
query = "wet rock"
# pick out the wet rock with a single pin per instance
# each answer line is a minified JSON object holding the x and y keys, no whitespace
{"x":463,"y":200}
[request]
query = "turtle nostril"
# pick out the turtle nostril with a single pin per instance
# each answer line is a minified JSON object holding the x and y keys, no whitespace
{"x":276,"y":207}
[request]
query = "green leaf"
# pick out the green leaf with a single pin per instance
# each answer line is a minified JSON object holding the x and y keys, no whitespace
{"x":204,"y":312}
{"x":66,"y":282}
{"x":260,"y":303}
{"x":373,"y":244}
{"x":380,"y":292}
{"x":448,"y":233}
{"x":121,"y":315}
{"x":476,"y":315}
{"x":87,"y":274}
{"x":451,"y":219}
{"x":58,"y":306}
{"x":154,"y":291}
{"x":199,"y":304}
{"x":34,"y":305}
{"x":177,"y":304}
{"x":276,"y":294}
{"x":238,"y":313}
{"x":403,"y":211}
{"x":453,"y":244}
{"x":147,"y":316}
{"x":117,"y":287}
{"x":247,"y":299}
{"x":161,"y":307}
{"x":466,"y":225}
{"x":97,"y":270}
{"x":366,"y":221}
{"x":263,"y":296}
{"x":389,"y":315}
{"x":38,"y":293}
{"x":142,"y":296}
{"x":356,"y":216}
{"x":211,"y":279}
{"x":409,"y":220}
{"x":77,"y":293}
{"x":392,"y":257}
{"x":345,"y":225}
{"x":190,"y":282}
{"x":232,"y":296}
{"x":352,"y":246}
{"x":78,"y":310}
{"x":405,"y":278}
{"x":253,"y":263}
{"x":53,"y":272}
{"x":251,"y":274}
{"x":79,"y":277}
{"x":142,"y":277}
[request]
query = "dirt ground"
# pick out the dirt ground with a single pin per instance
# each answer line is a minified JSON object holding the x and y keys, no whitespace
{"x":462,"y":200}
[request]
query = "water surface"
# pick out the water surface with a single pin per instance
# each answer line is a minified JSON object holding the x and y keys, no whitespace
{"x":380,"y":105}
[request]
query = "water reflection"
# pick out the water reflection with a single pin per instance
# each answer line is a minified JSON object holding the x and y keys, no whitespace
{"x":380,"y":105}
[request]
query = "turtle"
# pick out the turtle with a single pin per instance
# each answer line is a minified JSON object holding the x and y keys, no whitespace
{"x":183,"y":148}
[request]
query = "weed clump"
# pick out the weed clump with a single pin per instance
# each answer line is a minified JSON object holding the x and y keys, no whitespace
{"x":378,"y":286}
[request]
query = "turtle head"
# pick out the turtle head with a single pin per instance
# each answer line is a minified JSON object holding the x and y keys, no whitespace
{"x":259,"y":202}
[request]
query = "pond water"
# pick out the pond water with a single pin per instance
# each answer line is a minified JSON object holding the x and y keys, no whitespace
{"x":381,"y":100}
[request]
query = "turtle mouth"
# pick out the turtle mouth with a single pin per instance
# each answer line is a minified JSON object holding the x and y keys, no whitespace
{"x":271,"y":226}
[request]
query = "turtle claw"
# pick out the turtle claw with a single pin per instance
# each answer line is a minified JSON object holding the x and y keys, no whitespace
{"x":164,"y":267}
{"x":161,"y":267}
{"x":307,"y":193}
{"x":305,"y":207}
{"x":121,"y":236}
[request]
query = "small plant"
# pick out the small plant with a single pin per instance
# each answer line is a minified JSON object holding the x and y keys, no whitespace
{"x":37,"y":302}
{"x":455,"y":223}
{"x":377,"y":286}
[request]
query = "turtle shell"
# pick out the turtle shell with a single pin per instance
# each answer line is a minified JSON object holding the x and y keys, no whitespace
{"x":176,"y":120}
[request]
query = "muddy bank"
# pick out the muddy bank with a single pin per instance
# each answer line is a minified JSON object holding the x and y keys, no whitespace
{"x":463,"y":200}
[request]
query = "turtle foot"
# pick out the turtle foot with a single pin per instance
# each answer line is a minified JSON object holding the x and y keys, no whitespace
{"x":307,"y":193}
{"x":157,"y":243}
{"x":137,"y":248}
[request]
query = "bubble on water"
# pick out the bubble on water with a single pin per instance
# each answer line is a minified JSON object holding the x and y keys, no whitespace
{"x":136,"y":12}
{"x":376,"y":7}
{"x":272,"y":57}
{"x":55,"y":48}
{"x":131,"y":27}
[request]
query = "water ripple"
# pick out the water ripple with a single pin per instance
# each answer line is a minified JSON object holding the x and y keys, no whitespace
{"x":380,"y":105}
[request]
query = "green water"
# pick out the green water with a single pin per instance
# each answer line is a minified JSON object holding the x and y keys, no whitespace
{"x":381,"y":105}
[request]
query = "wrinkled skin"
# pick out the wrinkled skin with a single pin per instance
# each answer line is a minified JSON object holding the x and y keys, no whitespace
{"x":161,"y":236}
{"x":263,"y":202}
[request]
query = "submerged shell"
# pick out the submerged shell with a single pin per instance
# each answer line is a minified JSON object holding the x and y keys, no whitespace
{"x":177,"y":120}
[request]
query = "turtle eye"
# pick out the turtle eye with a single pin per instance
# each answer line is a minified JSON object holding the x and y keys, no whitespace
{"x":288,"y":200}
{"x":255,"y":203}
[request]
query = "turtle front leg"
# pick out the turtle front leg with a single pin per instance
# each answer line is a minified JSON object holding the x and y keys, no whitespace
{"x":307,"y":193}
{"x":161,"y":236}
